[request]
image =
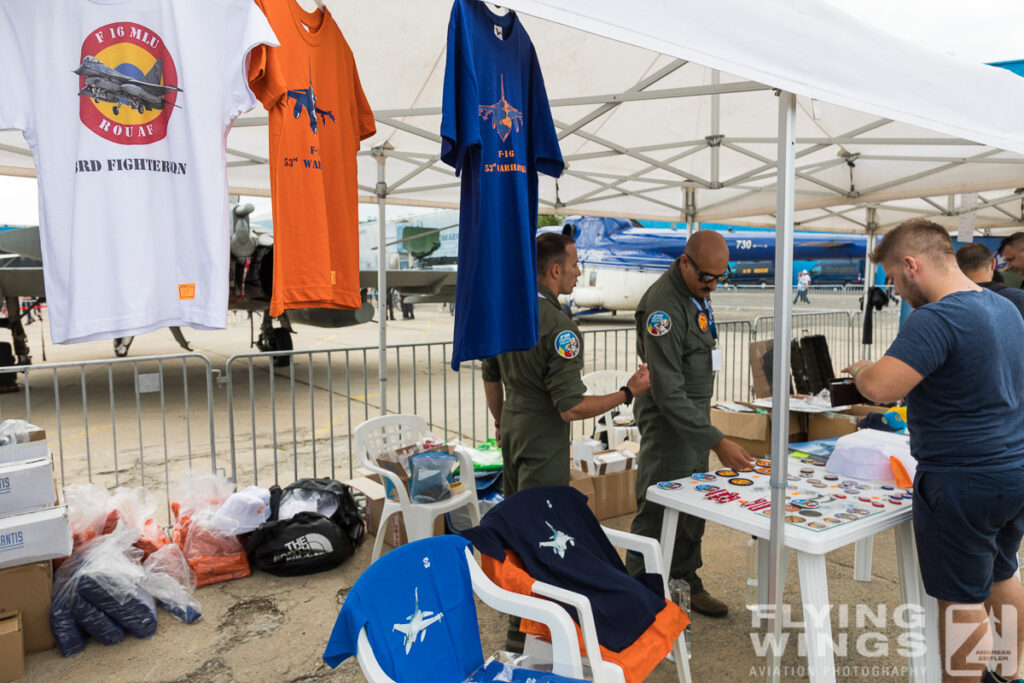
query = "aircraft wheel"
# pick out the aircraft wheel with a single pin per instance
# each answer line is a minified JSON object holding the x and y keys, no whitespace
{"x":121,"y":346}
{"x":276,"y":339}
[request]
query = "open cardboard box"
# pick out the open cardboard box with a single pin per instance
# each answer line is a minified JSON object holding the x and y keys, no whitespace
{"x":753,"y":431}
{"x":12,"y":650}
{"x":608,"y":495}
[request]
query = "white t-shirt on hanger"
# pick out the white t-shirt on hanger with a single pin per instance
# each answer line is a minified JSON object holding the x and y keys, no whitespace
{"x":126,"y":105}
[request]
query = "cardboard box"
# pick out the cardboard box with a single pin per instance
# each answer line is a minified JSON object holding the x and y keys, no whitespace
{"x":374,"y":492}
{"x":35,"y":447}
{"x":34,"y":536}
{"x":830,"y":425}
{"x":607,"y":462}
{"x":29,"y":589}
{"x":27,"y":485}
{"x":394,"y":532}
{"x":12,"y":651}
{"x":753,"y":431}
{"x":608,"y":495}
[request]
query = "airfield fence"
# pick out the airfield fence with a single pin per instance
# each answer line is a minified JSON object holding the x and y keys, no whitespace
{"x":108,"y":422}
{"x":275,"y":417}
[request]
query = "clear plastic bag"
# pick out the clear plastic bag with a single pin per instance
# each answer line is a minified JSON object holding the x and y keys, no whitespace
{"x":243,"y":511}
{"x":170,"y":580}
{"x":98,"y":592}
{"x":15,"y":431}
{"x":199,"y":491}
{"x":87,"y":510}
{"x":429,"y":481}
{"x":294,"y":501}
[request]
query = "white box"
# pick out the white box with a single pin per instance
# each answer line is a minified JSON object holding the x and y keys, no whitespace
{"x":608,"y":462}
{"x":34,"y":536}
{"x":583,"y":451}
{"x":27,"y":485}
{"x":35,"y":447}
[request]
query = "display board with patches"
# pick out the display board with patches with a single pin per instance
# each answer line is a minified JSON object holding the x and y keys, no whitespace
{"x":815,"y":499}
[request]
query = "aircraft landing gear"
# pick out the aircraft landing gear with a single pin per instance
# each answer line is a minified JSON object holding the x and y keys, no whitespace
{"x":121,"y":346}
{"x":18,"y":336}
{"x":275,"y":338}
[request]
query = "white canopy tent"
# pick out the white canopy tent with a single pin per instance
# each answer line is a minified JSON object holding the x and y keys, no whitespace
{"x":668,"y":109}
{"x":661,"y":110}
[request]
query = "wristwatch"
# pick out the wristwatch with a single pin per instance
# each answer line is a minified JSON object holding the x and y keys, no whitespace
{"x":629,"y":394}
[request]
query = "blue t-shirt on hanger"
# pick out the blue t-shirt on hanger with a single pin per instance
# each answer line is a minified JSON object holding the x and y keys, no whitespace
{"x":497,"y":133}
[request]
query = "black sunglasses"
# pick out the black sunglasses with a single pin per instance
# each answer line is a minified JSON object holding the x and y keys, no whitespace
{"x":708,"y":277}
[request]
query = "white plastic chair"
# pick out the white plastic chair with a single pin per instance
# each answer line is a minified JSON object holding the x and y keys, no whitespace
{"x":602,"y":671}
{"x":604,"y":382}
{"x":390,"y":432}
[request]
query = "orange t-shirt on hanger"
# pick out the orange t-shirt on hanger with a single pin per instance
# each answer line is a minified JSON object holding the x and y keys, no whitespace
{"x":318,"y":115}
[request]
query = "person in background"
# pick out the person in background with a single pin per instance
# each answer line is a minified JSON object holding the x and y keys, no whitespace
{"x":1012,"y":249}
{"x":803,"y":282}
{"x":959,"y":361}
{"x":977,"y":263}
{"x":391,"y":303}
{"x":677,"y":338}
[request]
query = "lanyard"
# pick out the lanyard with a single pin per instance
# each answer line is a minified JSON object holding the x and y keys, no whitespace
{"x":709,"y":312}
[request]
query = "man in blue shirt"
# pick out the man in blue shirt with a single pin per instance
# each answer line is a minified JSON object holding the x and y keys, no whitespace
{"x":959,"y":361}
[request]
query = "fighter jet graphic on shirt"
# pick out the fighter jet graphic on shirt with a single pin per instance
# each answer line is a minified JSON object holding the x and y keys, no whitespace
{"x":417,"y":624}
{"x":504,"y":117}
{"x":104,"y":84}
{"x":558,"y":542}
{"x":306,"y":99}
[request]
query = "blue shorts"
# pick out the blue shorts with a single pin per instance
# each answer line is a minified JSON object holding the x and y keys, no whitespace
{"x":968,"y":528}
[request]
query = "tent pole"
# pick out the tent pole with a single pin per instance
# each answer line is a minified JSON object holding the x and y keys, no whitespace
{"x":690,"y":201}
{"x":380,"y":154}
{"x":869,"y":272}
{"x":778,"y":554}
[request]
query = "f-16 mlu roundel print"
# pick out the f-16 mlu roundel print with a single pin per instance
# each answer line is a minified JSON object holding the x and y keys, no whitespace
{"x":127,"y":84}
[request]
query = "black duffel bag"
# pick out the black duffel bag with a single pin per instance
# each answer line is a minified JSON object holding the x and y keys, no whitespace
{"x":327,"y":491}
{"x":305,"y":544}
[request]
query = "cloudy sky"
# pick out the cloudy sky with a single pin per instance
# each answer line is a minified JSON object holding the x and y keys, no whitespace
{"x":979,"y":31}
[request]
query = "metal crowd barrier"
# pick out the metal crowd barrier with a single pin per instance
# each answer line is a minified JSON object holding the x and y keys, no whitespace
{"x":108,"y":422}
{"x":286,"y":415}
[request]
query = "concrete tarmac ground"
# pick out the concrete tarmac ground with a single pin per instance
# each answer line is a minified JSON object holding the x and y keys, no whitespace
{"x":265,"y":628}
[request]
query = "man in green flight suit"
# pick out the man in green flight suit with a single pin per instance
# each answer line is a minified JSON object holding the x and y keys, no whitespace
{"x":535,"y":394}
{"x":677,"y":338}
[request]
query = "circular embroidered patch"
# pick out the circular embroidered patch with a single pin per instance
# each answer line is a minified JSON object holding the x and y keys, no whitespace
{"x":567,"y":344}
{"x":702,"y":321}
{"x":658,"y":324}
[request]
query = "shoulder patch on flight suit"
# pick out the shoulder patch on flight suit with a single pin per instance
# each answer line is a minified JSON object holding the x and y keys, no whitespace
{"x":658,"y":324}
{"x":567,"y":344}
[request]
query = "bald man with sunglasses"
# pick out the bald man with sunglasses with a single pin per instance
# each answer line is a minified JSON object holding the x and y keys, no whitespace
{"x":677,"y":338}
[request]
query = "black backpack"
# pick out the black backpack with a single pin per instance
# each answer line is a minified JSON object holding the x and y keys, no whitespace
{"x":309,"y":542}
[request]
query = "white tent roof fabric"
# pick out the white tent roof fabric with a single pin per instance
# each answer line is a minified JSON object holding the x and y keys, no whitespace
{"x":653,"y":97}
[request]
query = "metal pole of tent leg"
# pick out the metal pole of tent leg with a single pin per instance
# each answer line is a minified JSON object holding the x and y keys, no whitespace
{"x":869,"y":273}
{"x":780,"y":369}
{"x":380,"y":154}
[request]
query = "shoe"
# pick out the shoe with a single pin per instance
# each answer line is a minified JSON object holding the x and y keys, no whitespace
{"x":703,"y":603}
{"x":992,"y":677}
